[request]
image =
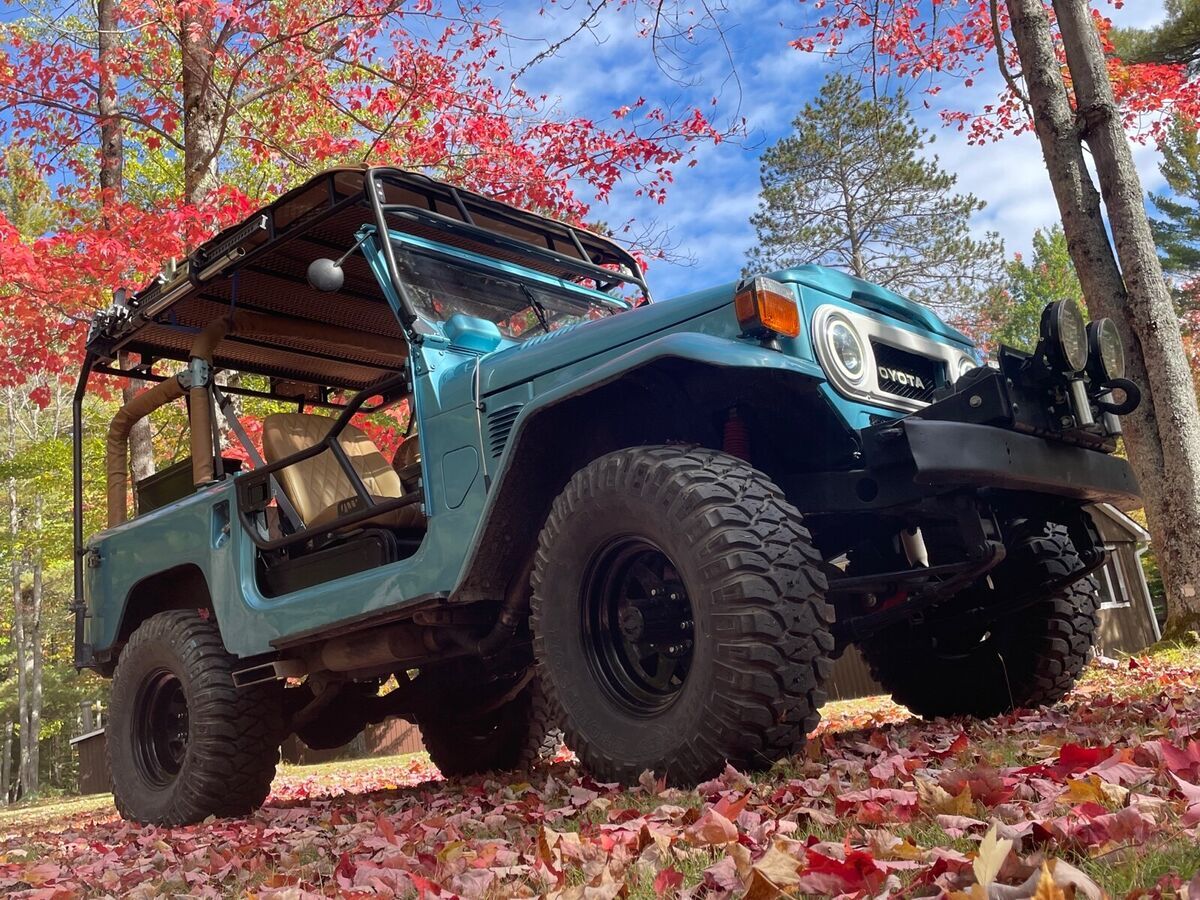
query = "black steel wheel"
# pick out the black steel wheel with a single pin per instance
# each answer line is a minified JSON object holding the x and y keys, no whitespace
{"x":678,"y":616}
{"x":637,"y":625}
{"x":1029,"y":658}
{"x":183,"y":742}
{"x":161,"y":730}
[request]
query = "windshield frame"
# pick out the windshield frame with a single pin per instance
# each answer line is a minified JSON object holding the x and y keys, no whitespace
{"x":384,"y":260}
{"x":518,"y":274}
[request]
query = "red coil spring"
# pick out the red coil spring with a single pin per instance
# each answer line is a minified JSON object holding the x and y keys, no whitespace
{"x":736,"y":439}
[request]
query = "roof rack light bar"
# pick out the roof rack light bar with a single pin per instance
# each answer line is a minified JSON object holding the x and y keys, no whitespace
{"x":229,"y":250}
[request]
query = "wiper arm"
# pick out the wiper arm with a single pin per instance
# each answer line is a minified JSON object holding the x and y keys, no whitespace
{"x":538,"y":309}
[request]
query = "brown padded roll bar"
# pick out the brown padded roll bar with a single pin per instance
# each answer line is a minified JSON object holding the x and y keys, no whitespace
{"x":117,"y":458}
{"x":200,"y":406}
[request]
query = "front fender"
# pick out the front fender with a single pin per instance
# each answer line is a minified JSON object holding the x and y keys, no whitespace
{"x":511,"y":501}
{"x":703,"y":349}
{"x":706,"y":349}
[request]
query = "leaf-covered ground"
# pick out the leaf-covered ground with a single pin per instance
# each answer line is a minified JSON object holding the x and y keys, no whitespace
{"x":1099,"y":795}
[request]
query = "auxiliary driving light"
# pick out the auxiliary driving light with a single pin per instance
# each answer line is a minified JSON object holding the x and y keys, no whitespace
{"x":1065,"y":334}
{"x":765,"y":307}
{"x":1107,"y":355}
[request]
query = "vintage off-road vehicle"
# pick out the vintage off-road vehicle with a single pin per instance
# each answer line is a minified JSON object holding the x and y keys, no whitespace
{"x":647,"y":528}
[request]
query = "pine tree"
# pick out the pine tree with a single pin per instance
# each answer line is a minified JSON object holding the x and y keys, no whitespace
{"x":851,"y":187}
{"x":1176,"y":40}
{"x":1176,"y":230}
{"x":1177,"y":226}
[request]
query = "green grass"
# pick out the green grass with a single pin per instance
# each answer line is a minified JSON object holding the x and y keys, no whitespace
{"x":55,"y":811}
{"x":639,"y":881}
{"x":1175,"y":653}
{"x":1120,"y":872}
{"x":58,"y":812}
{"x":343,"y":766}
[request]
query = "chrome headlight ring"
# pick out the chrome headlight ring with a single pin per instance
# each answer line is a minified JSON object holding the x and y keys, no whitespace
{"x":846,"y":348}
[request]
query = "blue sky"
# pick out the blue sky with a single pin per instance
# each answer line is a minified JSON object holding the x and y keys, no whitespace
{"x":708,"y":208}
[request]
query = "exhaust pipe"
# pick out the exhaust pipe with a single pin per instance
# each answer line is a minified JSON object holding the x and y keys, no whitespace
{"x":378,"y":647}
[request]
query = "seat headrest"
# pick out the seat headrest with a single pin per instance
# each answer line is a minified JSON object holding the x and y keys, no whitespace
{"x":315,"y":484}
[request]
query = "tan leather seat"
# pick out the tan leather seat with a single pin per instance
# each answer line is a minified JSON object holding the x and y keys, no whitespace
{"x":317,"y":486}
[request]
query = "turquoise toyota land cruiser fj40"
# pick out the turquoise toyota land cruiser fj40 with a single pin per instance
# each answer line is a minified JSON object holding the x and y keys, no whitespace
{"x":644,"y":528}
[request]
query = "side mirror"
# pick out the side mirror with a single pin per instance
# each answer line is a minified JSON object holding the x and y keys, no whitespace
{"x":326,"y":275}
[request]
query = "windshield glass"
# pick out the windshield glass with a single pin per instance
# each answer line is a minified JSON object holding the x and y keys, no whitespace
{"x":520,"y":308}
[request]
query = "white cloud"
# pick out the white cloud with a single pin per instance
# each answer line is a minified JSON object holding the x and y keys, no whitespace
{"x":1137,"y":13}
{"x":708,"y":207}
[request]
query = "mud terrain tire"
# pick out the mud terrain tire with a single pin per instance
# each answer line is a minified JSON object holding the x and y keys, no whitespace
{"x":1031,"y":658}
{"x":183,"y":742}
{"x":650,"y":542}
{"x":515,"y":736}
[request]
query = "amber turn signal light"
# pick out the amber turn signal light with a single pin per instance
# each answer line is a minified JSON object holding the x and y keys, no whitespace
{"x":765,"y":307}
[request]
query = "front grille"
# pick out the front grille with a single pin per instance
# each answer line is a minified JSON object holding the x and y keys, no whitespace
{"x":903,"y":373}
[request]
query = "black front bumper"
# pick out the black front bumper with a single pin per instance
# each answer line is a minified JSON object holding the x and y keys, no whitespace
{"x":994,"y":431}
{"x":961,"y":454}
{"x":987,"y":435}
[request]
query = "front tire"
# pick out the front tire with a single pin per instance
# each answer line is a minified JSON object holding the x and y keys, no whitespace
{"x":1030,"y":658}
{"x":679,"y":616}
{"x":183,"y":742}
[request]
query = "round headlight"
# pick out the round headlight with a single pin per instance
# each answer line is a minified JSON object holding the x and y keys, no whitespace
{"x":1064,"y":326}
{"x":1107,"y":353}
{"x":846,"y":348}
{"x":964,"y":365}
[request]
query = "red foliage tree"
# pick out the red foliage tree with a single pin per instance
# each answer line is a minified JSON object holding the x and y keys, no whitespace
{"x":270,"y":92}
{"x":955,"y":42}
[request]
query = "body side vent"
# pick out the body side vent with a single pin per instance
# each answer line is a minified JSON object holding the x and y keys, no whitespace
{"x":500,"y":424}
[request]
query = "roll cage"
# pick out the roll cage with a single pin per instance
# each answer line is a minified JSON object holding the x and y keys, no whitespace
{"x":242,"y":297}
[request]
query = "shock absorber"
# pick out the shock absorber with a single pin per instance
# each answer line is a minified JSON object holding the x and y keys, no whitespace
{"x":736,"y":439}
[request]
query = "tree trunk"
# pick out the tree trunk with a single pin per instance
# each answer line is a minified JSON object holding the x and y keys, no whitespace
{"x":112,"y":182}
{"x":858,"y":265}
{"x":112,"y":150}
{"x":24,"y":671}
{"x":6,"y":764}
{"x":201,"y":106}
{"x":1101,"y":280}
{"x":31,"y":726}
{"x":1150,"y":316}
{"x":16,"y":568}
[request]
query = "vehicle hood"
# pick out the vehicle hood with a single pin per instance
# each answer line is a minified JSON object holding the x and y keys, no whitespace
{"x":576,"y":343}
{"x":822,"y":280}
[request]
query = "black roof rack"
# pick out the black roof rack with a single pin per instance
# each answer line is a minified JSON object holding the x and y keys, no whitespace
{"x":259,"y":265}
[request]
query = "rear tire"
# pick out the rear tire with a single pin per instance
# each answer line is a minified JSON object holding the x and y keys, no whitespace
{"x":679,"y":616}
{"x":1031,"y":658}
{"x":343,"y":720}
{"x":514,"y":736}
{"x":183,"y":742}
